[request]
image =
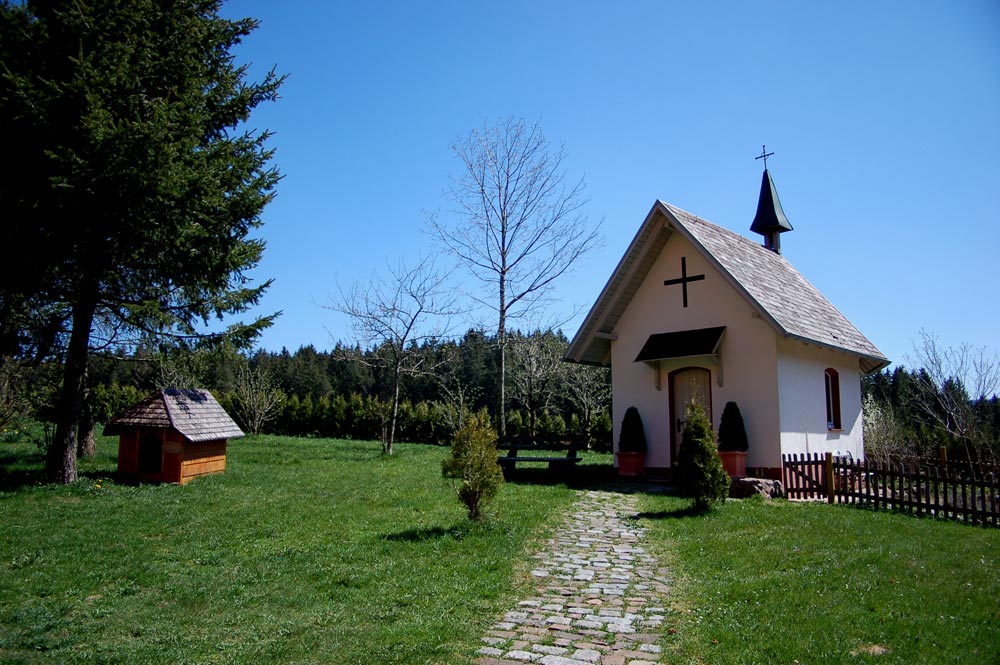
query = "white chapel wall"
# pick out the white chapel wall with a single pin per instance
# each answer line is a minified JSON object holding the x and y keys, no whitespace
{"x":749,"y":355}
{"x":802,"y":402}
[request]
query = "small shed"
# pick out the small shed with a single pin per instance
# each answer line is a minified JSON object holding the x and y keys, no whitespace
{"x":173,"y":436}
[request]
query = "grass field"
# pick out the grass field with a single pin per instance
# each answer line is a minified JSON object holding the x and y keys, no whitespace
{"x":320,"y":551}
{"x":786,"y":582}
{"x":303,"y":551}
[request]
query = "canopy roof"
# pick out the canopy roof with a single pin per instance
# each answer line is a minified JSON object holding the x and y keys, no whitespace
{"x":682,"y":344}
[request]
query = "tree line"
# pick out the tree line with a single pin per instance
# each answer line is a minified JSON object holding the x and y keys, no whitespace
{"x":341,"y":393}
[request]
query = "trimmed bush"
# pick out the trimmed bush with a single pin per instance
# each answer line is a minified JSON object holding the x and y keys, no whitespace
{"x":700,"y":475}
{"x":732,"y":432}
{"x":633,"y":437}
{"x":473,"y":464}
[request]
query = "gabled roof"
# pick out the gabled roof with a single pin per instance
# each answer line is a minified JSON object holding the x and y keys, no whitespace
{"x":192,"y":412}
{"x":769,"y":283}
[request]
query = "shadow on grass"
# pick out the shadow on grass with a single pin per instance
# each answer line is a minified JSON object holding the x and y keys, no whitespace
{"x":582,"y":476}
{"x":19,"y":470}
{"x":602,"y":477}
{"x":676,"y":513}
{"x":425,"y":534}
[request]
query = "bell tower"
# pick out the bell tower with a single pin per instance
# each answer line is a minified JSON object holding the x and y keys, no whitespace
{"x":770,"y":220}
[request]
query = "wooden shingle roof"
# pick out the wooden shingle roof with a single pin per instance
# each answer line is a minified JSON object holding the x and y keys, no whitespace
{"x":793,"y":306}
{"x":193,"y":412}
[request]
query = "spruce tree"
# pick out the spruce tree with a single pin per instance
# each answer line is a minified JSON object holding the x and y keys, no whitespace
{"x":700,"y":475}
{"x":132,"y":183}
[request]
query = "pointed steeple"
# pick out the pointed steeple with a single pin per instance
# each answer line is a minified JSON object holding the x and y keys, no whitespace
{"x":770,"y":220}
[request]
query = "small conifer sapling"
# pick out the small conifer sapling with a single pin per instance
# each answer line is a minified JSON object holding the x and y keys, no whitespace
{"x":700,"y":475}
{"x":473,"y":464}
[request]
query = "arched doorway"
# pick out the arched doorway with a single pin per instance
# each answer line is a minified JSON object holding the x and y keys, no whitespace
{"x":689,"y":383}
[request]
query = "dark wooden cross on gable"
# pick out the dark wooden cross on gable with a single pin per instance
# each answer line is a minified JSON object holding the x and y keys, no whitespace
{"x":684,"y":279}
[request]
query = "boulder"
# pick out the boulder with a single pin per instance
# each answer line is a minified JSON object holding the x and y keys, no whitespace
{"x":742,"y":488}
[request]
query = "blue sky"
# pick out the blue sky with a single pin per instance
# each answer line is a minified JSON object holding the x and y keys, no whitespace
{"x":884,"y":118}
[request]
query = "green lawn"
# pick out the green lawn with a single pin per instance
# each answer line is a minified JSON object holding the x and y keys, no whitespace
{"x":303,"y":551}
{"x":324,"y":551}
{"x":781,"y":582}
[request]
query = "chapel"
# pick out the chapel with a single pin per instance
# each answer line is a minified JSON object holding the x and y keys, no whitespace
{"x":694,"y":311}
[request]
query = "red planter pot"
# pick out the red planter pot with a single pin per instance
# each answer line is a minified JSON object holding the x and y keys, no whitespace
{"x":734,"y":462}
{"x":631,"y":464}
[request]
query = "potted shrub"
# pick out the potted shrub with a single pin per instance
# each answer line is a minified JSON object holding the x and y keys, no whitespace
{"x":632,"y":445}
{"x":733,"y":441}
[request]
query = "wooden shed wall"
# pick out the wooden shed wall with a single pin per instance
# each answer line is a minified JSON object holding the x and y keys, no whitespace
{"x":203,"y":458}
{"x":128,"y":450}
{"x":181,"y":461}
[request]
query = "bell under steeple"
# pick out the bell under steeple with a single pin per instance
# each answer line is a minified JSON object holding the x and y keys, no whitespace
{"x":770,"y":220}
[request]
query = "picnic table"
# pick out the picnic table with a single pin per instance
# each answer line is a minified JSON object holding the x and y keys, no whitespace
{"x":538,"y":450}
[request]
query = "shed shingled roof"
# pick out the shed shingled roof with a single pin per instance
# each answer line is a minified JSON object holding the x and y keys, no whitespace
{"x":193,"y":412}
{"x":793,"y":306}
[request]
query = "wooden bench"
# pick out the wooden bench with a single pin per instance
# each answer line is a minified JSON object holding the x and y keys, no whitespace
{"x":539,"y":450}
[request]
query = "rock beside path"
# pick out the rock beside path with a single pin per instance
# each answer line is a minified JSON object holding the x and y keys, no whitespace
{"x":741,"y":488}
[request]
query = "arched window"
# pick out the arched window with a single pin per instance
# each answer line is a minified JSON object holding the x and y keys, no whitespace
{"x":832,"y":399}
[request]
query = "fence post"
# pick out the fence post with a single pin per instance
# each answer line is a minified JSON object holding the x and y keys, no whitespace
{"x":943,"y":454}
{"x":829,"y":478}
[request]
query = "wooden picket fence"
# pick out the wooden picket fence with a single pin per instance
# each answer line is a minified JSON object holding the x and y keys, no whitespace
{"x":962,"y":492}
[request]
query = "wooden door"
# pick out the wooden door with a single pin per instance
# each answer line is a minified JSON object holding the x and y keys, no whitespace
{"x":690,"y":383}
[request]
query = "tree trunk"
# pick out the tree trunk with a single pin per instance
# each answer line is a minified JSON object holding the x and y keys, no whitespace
{"x":387,"y":446}
{"x":61,"y":461}
{"x":502,"y":347}
{"x":501,"y":374}
{"x":86,"y":441}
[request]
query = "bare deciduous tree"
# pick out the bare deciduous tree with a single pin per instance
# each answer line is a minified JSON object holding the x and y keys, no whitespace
{"x":256,"y":397}
{"x":589,"y":390}
{"x":391,"y":315}
{"x":536,"y":364}
{"x":952,"y":381}
{"x":518,"y":225}
{"x":886,"y":440}
{"x":458,"y":395}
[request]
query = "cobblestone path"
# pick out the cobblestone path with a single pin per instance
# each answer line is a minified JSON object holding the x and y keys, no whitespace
{"x":599,"y":598}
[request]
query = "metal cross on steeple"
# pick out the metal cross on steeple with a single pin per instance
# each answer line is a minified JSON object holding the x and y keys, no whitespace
{"x":764,"y":154}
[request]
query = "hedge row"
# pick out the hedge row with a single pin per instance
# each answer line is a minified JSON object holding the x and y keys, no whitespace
{"x":364,"y":417}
